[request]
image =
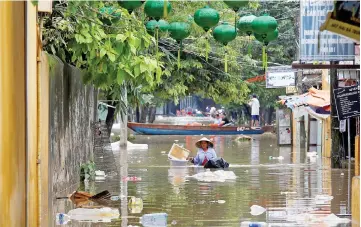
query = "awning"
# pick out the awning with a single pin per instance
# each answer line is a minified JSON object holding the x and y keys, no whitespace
{"x":316,"y":115}
{"x":316,"y":102}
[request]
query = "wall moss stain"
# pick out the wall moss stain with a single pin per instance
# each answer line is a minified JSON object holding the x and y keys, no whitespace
{"x":72,"y":113}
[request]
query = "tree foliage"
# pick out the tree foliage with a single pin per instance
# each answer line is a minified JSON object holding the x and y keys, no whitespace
{"x":122,"y":55}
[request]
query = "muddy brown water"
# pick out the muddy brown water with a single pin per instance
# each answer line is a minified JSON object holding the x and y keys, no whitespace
{"x":288,"y":185}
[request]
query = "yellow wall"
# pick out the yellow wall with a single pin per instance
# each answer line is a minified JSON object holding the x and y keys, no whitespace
{"x":12,"y":114}
{"x":357,"y":155}
{"x":355,"y":203}
{"x":32,"y":115}
{"x":43,"y":113}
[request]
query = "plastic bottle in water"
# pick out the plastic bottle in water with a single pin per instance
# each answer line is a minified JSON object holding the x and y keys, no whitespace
{"x":154,"y":220}
{"x":62,"y":219}
{"x":253,"y":224}
{"x":115,"y":198}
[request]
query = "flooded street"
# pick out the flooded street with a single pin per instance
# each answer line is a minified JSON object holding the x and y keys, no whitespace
{"x":288,"y":188}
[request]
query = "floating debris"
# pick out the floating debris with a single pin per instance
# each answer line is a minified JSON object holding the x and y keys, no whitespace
{"x":287,"y":193}
{"x":104,"y":214}
{"x":279,"y":158}
{"x":134,"y":179}
{"x":216,"y":176}
{"x":257,"y":210}
{"x":156,"y":219}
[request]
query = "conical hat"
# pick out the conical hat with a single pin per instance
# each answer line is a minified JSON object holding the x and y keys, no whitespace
{"x":198,"y":143}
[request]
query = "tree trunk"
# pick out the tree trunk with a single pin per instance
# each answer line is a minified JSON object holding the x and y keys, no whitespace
{"x":143,"y":114}
{"x":336,"y":152}
{"x":110,"y":119}
{"x":152,"y":112}
{"x":137,"y":114}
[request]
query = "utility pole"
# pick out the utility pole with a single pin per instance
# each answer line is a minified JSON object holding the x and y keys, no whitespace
{"x":335,"y":133}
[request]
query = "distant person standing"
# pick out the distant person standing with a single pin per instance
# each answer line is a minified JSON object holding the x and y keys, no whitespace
{"x":254,"y":103}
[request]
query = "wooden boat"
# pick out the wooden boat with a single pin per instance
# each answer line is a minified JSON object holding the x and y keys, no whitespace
{"x":163,"y":129}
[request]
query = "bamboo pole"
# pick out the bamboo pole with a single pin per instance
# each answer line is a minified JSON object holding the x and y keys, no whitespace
{"x":12,"y":114}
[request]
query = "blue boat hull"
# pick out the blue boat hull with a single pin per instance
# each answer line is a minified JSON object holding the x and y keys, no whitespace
{"x":154,"y":131}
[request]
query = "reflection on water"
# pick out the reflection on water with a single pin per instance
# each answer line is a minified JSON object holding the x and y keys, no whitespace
{"x":293,"y":190}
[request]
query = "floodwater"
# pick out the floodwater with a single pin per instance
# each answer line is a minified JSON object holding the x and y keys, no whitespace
{"x":287,"y":188}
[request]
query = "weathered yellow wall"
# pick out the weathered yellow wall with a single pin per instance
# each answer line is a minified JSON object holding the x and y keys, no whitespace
{"x":32,"y":115}
{"x":355,"y":202}
{"x":43,"y":113}
{"x":357,"y":155}
{"x":12,"y":114}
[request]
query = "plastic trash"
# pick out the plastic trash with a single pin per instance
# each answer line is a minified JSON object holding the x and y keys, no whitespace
{"x":333,"y":220}
{"x":279,"y":158}
{"x":219,"y":201}
{"x":288,"y":193}
{"x":99,"y":173}
{"x":134,"y":179}
{"x":62,"y":219}
{"x":323,"y":199}
{"x":216,"y":163}
{"x":257,"y":210}
{"x":216,"y":176}
{"x":105,"y":214}
{"x":135,"y":205}
{"x":154,"y":220}
{"x":253,"y":224}
{"x":114,"y":198}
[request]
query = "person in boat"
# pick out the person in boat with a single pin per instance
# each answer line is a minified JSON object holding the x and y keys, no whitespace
{"x":205,"y":152}
{"x":254,"y":103}
{"x":223,"y":120}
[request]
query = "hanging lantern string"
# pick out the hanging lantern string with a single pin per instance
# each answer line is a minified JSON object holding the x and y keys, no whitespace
{"x":235,"y":21}
{"x":265,"y":66}
{"x":179,"y":51}
{"x":249,"y":45}
{"x":207,"y":45}
{"x":197,"y":49}
{"x":264,"y":56}
{"x":165,"y":9}
{"x":157,"y":40}
{"x":225,"y":62}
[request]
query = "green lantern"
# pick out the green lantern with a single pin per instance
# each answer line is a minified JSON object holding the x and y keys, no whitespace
{"x":153,"y":27}
{"x":264,"y":24}
{"x":179,"y":31}
{"x":245,"y":25}
{"x":265,"y":39}
{"x":236,"y":4}
{"x":130,"y":5}
{"x":150,"y":26}
{"x":163,"y":25}
{"x":224,"y":34}
{"x":108,"y":15}
{"x":206,"y":18}
{"x":157,"y":9}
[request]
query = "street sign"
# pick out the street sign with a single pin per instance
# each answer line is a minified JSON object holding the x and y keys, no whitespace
{"x":347,"y":102}
{"x":332,"y":47}
{"x":344,"y":20}
{"x":277,"y":77}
